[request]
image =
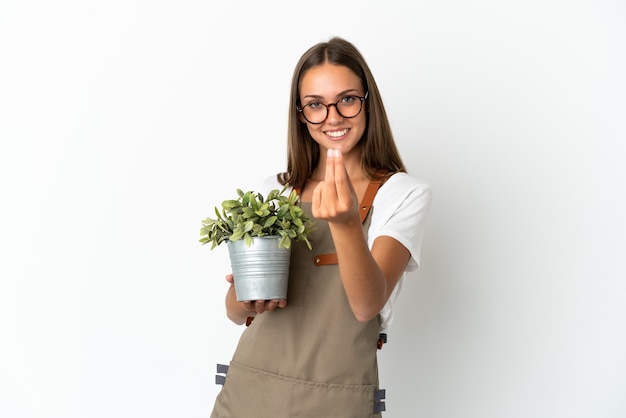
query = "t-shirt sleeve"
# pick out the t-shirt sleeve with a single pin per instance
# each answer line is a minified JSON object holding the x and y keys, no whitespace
{"x":399,"y":211}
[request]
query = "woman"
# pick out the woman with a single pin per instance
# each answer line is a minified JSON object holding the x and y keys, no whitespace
{"x":314,"y":354}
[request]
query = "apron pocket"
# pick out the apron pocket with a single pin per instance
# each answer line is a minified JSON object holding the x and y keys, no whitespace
{"x":254,"y":393}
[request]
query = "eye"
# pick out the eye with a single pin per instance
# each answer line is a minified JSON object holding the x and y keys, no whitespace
{"x":349,"y":99}
{"x":314,"y":105}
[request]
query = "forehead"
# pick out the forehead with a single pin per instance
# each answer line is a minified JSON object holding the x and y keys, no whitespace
{"x":327,"y":80}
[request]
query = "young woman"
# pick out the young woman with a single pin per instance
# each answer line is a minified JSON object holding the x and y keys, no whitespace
{"x":314,"y":354}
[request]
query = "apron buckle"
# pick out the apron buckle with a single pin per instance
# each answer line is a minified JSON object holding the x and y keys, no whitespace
{"x":382,"y":339}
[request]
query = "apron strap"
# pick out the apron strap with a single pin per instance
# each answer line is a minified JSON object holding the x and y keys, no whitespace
{"x":368,"y":198}
{"x":382,"y":339}
{"x":325,"y":259}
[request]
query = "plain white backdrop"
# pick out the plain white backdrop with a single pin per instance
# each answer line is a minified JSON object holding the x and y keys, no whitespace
{"x":123,"y":123}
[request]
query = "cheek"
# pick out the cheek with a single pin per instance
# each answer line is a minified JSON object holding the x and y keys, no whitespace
{"x":313,"y":129}
{"x":361,"y":126}
{"x":313,"y":133}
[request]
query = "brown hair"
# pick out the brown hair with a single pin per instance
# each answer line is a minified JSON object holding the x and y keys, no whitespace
{"x":377,"y":147}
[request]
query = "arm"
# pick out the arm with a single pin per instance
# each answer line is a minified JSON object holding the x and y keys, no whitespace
{"x":368,"y":277}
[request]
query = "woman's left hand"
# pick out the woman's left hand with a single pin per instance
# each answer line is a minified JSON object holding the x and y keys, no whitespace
{"x":334,"y":199}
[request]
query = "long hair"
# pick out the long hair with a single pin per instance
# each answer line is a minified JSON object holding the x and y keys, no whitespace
{"x":378,"y":150}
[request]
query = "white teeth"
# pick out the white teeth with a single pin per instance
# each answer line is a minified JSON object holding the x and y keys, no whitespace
{"x":337,"y":134}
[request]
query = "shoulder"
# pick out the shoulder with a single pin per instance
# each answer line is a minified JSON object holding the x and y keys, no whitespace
{"x":405,"y":181}
{"x":402,"y":186}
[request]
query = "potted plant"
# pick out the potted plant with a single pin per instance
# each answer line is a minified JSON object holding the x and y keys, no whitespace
{"x":259,"y":232}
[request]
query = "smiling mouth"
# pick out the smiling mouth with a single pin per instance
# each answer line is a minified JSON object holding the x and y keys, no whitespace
{"x":337,"y":134}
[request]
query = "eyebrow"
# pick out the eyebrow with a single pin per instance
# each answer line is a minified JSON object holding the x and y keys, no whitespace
{"x":316,"y":96}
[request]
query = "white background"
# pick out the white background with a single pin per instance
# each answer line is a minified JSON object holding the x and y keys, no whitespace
{"x":123,"y":123}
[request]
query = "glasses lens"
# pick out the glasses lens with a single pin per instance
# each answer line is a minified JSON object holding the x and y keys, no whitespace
{"x":349,"y":106}
{"x":315,"y":113}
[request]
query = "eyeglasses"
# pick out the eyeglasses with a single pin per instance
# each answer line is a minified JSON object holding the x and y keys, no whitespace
{"x":347,"y":107}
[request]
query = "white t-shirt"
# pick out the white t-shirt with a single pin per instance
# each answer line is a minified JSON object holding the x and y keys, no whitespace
{"x":398,"y":211}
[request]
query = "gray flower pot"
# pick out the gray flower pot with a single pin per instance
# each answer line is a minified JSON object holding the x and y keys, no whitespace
{"x":260,"y":271}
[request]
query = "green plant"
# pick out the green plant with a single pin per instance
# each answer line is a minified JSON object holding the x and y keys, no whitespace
{"x":252,"y":215}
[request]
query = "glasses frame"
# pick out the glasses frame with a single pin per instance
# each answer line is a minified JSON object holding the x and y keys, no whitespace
{"x":327,"y":106}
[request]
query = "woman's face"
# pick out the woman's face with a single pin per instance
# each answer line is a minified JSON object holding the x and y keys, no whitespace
{"x":329,"y":84}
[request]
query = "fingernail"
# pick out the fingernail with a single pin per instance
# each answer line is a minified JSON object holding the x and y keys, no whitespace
{"x":330,"y":152}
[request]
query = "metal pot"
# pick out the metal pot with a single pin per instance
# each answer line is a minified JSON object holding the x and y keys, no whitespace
{"x":261,"y":270}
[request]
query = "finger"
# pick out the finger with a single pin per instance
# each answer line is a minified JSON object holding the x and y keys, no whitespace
{"x":330,"y":165}
{"x":271,"y":305}
{"x":229,"y":278}
{"x":347,"y":199}
{"x":276,"y":303}
{"x":330,"y":188}
{"x":259,"y":306}
{"x":316,"y":200}
{"x":331,"y":158}
{"x":342,"y":181}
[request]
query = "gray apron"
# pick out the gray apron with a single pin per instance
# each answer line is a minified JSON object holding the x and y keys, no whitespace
{"x":312,"y":358}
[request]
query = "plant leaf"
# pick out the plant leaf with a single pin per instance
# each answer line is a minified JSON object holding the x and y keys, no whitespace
{"x":270,"y":221}
{"x":236,"y":236}
{"x":229,"y":204}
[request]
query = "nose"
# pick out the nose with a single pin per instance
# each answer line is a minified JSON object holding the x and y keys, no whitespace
{"x":334,"y":115}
